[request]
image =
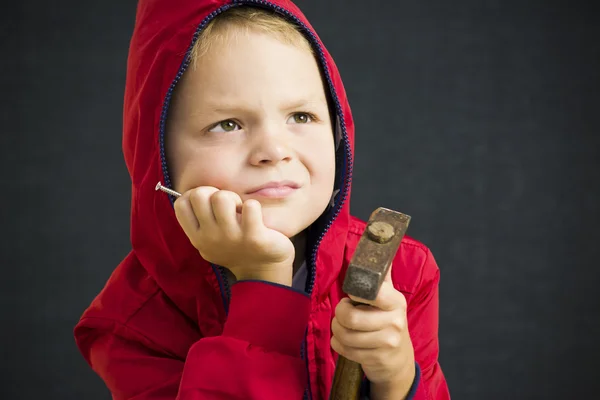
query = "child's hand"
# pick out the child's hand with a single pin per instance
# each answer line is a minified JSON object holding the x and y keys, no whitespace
{"x":239,"y":242}
{"x":377,"y":337}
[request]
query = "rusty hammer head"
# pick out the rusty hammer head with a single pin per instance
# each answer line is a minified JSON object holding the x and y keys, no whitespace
{"x":374,"y":254}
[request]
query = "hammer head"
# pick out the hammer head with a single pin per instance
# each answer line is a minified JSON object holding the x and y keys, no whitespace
{"x":374,"y":254}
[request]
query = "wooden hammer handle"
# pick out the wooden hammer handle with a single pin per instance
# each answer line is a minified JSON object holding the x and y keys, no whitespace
{"x":348,"y":377}
{"x":346,"y":381}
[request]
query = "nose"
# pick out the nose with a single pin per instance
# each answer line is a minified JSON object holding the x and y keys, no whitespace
{"x":270,"y":146}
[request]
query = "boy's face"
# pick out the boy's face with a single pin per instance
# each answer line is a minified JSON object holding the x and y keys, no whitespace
{"x":254,"y":112}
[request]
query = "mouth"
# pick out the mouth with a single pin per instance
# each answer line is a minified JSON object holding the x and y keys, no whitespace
{"x":275,"y":190}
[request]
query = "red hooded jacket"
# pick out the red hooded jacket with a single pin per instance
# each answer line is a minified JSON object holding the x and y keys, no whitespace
{"x":167,"y":324}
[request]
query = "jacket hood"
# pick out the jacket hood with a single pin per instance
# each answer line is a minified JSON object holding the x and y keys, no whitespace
{"x":158,"y":56}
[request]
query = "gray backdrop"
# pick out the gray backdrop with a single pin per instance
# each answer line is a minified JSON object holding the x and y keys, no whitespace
{"x":478,"y":118}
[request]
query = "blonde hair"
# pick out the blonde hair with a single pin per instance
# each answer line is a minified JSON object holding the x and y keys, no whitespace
{"x":241,"y":20}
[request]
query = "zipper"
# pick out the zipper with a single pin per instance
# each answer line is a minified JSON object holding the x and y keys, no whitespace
{"x":224,"y":287}
{"x":227,"y":294}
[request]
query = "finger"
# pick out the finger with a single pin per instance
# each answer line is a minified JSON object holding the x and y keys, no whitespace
{"x":361,"y":317}
{"x":388,"y":338}
{"x":185,"y":215}
{"x":388,"y":298}
{"x":251,"y":217}
{"x":361,"y":356}
{"x":224,"y":204}
{"x":342,"y":350}
{"x":352,"y":338}
{"x":200,"y":201}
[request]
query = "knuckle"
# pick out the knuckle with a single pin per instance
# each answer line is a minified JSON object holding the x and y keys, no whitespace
{"x":393,"y":341}
{"x":195,"y":197}
{"x":402,"y":301}
{"x":337,"y":346}
{"x":341,"y":315}
{"x":400,"y":323}
{"x":335,"y":326}
{"x":341,"y":349}
{"x":226,"y":196}
{"x":342,"y":311}
{"x":339,"y":309}
{"x":198,"y":195}
{"x":352,"y":319}
{"x":252,"y":203}
{"x":341,"y":336}
{"x":229,"y":194}
{"x":346,"y":321}
{"x":218,"y":198}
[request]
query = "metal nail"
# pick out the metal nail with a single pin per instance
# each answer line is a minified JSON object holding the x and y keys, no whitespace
{"x":159,"y":186}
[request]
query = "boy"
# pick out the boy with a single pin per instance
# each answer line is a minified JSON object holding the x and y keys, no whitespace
{"x":234,"y":290}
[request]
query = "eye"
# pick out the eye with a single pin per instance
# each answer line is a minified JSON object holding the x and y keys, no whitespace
{"x":301,"y":118}
{"x":225,"y":126}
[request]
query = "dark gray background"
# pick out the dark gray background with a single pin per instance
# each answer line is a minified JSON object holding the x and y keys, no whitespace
{"x":478,"y":118}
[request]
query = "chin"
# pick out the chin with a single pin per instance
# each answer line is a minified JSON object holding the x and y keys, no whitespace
{"x":286,"y":222}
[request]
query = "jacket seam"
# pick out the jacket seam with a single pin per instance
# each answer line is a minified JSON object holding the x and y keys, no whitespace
{"x":133,"y":313}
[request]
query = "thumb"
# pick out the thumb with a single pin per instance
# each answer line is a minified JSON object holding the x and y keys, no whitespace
{"x":388,"y":275}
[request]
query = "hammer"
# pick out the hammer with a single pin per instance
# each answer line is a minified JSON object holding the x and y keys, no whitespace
{"x":367,"y":270}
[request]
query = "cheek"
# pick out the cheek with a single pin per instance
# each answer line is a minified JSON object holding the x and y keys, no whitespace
{"x":322,"y":164}
{"x":205,"y":168}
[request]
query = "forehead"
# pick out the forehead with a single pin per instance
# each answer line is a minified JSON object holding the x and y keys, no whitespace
{"x":254,"y":65}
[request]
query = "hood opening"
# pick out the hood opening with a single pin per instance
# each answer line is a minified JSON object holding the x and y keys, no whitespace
{"x":343,"y":156}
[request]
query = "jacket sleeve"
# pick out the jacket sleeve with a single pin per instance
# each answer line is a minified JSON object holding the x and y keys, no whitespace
{"x":423,"y":317}
{"x":257,"y":356}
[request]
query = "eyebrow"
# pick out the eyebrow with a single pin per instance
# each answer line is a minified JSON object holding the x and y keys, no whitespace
{"x":225,"y":108}
{"x":295,"y":104}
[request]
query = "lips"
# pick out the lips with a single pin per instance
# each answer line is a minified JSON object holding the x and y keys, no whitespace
{"x":275,"y":189}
